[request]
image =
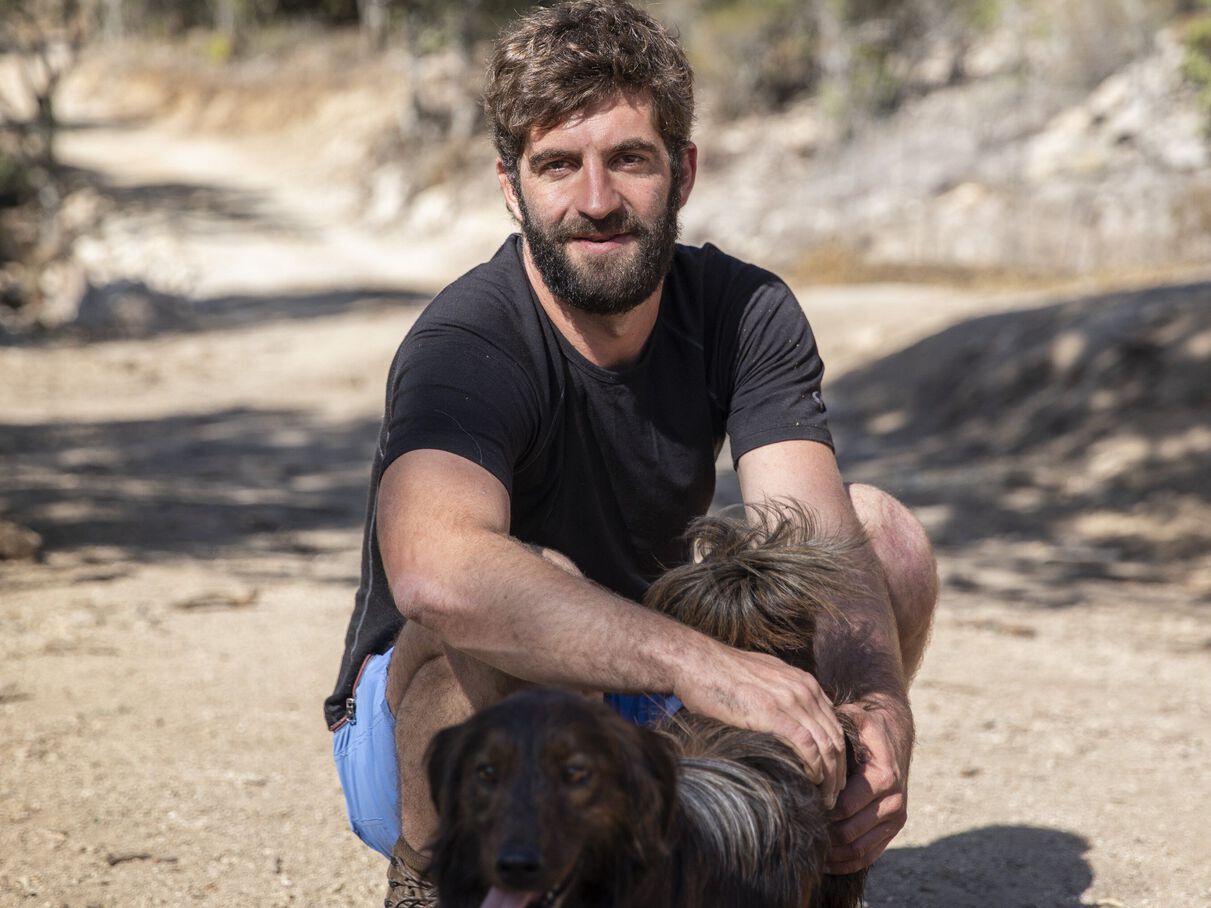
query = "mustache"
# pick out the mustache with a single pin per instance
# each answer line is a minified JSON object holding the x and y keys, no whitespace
{"x":612,"y":223}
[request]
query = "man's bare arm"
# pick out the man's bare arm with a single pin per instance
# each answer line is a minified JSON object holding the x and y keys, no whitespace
{"x":858,"y":653}
{"x":443,"y":526}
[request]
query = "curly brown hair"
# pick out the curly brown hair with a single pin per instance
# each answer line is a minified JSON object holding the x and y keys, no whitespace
{"x":558,"y":60}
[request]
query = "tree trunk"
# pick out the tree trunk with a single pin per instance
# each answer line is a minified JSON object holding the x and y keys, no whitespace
{"x":409,"y":113}
{"x":226,"y":19}
{"x":112,"y":24}
{"x":373,"y":17}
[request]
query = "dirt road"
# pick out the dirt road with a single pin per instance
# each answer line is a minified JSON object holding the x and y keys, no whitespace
{"x":201,"y":493}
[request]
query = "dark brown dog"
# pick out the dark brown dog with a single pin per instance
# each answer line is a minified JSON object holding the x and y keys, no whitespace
{"x":549,"y":799}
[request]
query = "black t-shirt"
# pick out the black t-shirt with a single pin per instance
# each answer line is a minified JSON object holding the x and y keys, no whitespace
{"x":605,"y":466}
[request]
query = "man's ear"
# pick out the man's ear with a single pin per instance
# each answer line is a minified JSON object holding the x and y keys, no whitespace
{"x":508,"y":190}
{"x":689,"y":170}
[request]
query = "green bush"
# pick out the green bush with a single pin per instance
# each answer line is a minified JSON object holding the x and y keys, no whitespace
{"x":754,"y":55}
{"x":858,"y":54}
{"x":1196,"y":63}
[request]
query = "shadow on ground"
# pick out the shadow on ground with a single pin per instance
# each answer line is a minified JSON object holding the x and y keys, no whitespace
{"x":198,"y":485}
{"x":1011,"y":427}
{"x":171,"y":202}
{"x":130,"y":310}
{"x":1022,"y":425}
{"x":1005,"y":866}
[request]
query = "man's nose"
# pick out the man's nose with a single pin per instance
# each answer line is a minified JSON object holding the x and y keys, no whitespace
{"x":598,"y":193}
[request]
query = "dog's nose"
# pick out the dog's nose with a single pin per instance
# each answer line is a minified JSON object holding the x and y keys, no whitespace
{"x":518,"y":865}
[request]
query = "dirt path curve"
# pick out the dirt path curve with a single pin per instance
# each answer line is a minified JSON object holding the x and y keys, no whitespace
{"x":201,"y":495}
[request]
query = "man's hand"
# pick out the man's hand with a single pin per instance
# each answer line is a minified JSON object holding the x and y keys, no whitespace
{"x":761,"y":692}
{"x":874,"y":805}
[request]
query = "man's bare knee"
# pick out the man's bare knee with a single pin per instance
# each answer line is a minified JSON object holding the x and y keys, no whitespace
{"x":902,"y":547}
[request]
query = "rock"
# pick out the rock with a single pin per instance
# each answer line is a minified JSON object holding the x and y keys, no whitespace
{"x":125,"y":308}
{"x":63,"y":285}
{"x":387,"y":194}
{"x":18,"y":543}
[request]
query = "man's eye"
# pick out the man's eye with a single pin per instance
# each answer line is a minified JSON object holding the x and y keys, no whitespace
{"x":575,"y":774}
{"x":555,"y":167}
{"x":486,"y":773}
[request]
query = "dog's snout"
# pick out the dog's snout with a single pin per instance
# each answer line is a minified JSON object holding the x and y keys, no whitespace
{"x":518,"y":864}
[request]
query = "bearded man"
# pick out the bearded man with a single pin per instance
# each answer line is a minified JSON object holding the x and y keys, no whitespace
{"x":552,"y":422}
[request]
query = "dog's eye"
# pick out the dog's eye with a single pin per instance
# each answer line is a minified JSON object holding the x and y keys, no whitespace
{"x":575,"y":774}
{"x":486,"y":772}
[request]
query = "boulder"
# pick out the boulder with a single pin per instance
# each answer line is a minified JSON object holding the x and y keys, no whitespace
{"x":18,"y":543}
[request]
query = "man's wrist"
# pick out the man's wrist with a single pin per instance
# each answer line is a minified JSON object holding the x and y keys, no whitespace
{"x":892,"y":712}
{"x":680,"y":658}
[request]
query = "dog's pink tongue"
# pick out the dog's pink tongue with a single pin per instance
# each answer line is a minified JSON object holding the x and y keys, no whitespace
{"x":502,"y":898}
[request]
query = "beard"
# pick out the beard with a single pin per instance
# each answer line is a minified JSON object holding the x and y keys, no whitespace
{"x":610,"y":283}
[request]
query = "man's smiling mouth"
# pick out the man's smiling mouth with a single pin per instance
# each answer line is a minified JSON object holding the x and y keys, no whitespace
{"x":603,"y":241}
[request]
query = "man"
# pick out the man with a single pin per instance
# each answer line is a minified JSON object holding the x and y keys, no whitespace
{"x":551,"y":426}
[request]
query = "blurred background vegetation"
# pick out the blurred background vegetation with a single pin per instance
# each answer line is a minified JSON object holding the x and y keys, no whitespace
{"x":758,"y":52}
{"x":850,"y":63}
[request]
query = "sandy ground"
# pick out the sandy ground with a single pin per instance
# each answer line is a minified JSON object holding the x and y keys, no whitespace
{"x":201,"y":493}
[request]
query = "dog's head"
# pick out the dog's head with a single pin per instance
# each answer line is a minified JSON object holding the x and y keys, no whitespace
{"x":760,"y":584}
{"x":544,"y":792}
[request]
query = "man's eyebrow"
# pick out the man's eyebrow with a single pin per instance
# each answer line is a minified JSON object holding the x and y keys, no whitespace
{"x":552,"y":154}
{"x":635,"y":145}
{"x":539,"y":158}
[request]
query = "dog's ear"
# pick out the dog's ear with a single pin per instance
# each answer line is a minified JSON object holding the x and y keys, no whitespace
{"x":652,"y":781}
{"x":443,"y":761}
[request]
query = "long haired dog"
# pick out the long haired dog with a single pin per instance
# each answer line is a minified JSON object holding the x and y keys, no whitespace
{"x":550,"y":799}
{"x":756,"y":829}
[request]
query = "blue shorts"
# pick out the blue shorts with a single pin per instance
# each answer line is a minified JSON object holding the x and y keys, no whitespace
{"x":364,"y":750}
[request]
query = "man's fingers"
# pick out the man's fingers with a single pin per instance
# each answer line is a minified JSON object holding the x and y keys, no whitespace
{"x":823,"y":760}
{"x":872,"y":809}
{"x":857,"y":795}
{"x":819,"y":704}
{"x":858,"y":840}
{"x":862,"y":853}
{"x":806,"y":745}
{"x":791,"y":704}
{"x":829,"y":740}
{"x":887,"y":811}
{"x":835,"y":762}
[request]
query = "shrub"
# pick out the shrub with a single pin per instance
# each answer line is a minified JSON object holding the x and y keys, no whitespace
{"x":1196,"y":62}
{"x":860,"y":54}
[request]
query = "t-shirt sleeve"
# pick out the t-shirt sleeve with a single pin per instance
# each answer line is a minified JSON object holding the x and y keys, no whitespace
{"x":453,"y":390}
{"x":776,"y":375}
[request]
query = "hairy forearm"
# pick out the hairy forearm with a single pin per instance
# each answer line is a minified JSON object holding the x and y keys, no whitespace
{"x":858,"y":651}
{"x":492,"y":598}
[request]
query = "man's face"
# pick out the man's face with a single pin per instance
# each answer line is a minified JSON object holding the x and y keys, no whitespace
{"x":598,"y":203}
